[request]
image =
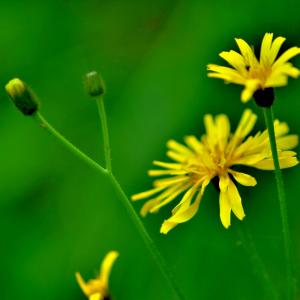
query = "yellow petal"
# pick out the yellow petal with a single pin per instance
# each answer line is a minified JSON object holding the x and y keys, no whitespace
{"x":226,"y":78}
{"x":245,"y":126}
{"x":210,"y":129}
{"x":285,"y":69}
{"x":243,"y":178}
{"x":84,"y":287}
{"x":251,"y":86}
{"x":222,"y":162}
{"x":166,"y":172}
{"x":276,"y":81}
{"x":275,"y":48}
{"x":249,"y":160}
{"x":179,"y":148}
{"x":187,"y":198}
{"x":147,"y":194}
{"x":183,"y":188}
{"x":223,"y":183}
{"x":235,"y":200}
{"x":221,"y":76}
{"x":207,"y":160}
{"x":293,"y":72}
{"x":223,"y":130}
{"x":247,"y":52}
{"x":242,"y":148}
{"x":287,"y":142}
{"x":225,"y":210}
{"x":233,"y":58}
{"x":168,"y":181}
{"x":285,"y":162}
{"x":289,"y":70}
{"x":281,"y":128}
{"x":187,"y":214}
{"x":265,"y":47}
{"x":194,"y":143}
{"x":236,"y":60}
{"x":287,"y":55}
{"x":174,"y":166}
{"x":106,"y":266}
{"x":151,"y":204}
{"x":287,"y":153}
{"x":232,"y":74}
{"x":248,"y":126}
{"x":177,"y":157}
{"x":244,"y":121}
{"x":204,"y":185}
{"x":148,"y":206}
{"x":167,"y":226}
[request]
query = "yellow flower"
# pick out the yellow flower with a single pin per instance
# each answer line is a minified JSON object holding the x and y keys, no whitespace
{"x":253,"y":74}
{"x":213,"y":158}
{"x":97,"y":289}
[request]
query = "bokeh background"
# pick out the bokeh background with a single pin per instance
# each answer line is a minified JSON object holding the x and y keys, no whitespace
{"x":58,"y":216}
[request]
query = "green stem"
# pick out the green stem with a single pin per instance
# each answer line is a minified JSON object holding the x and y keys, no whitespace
{"x":250,"y":248}
{"x":269,"y":117}
{"x":44,"y":124}
{"x":126,"y":202}
{"x":100,"y":104}
{"x":138,"y":223}
{"x":120,"y":193}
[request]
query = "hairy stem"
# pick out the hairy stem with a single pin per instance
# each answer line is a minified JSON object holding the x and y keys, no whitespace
{"x":44,"y":124}
{"x":269,"y":117}
{"x":100,"y":104}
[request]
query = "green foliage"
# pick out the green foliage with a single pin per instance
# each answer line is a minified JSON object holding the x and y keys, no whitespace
{"x":58,"y":216}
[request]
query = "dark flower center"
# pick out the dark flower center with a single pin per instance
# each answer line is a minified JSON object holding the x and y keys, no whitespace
{"x":264,"y":98}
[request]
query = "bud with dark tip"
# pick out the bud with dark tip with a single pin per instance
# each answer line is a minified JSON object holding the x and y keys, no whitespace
{"x":94,"y":84}
{"x":22,"y":96}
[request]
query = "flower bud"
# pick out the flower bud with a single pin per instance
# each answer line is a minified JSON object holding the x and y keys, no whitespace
{"x":22,"y":96}
{"x":94,"y":84}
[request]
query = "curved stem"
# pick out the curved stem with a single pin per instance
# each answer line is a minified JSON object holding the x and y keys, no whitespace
{"x":126,"y":202}
{"x":269,"y":117}
{"x":100,"y":104}
{"x":120,"y":193}
{"x":250,"y":247}
{"x":44,"y":124}
{"x":139,"y":225}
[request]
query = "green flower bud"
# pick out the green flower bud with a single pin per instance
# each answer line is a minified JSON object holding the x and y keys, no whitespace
{"x":94,"y":84}
{"x":22,"y":96}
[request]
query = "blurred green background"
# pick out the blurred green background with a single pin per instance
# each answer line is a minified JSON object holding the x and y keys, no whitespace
{"x":58,"y":216}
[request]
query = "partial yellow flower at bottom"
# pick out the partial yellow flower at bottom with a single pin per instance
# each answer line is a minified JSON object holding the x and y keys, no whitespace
{"x":213,"y":159}
{"x":257,"y":75}
{"x":97,"y":289}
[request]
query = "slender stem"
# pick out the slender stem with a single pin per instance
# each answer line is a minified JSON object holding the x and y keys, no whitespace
{"x":269,"y":117}
{"x":250,"y":247}
{"x":120,"y":193}
{"x":100,"y":104}
{"x":138,"y":223}
{"x":44,"y":124}
{"x":126,"y":202}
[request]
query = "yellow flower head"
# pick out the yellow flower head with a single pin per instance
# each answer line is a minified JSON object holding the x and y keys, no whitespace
{"x":253,"y":74}
{"x":97,"y":289}
{"x":214,"y":157}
